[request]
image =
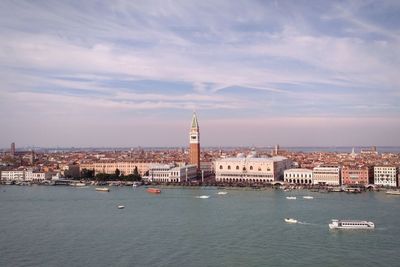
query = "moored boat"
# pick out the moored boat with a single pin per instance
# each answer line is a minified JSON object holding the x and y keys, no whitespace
{"x":120,"y":207}
{"x":351,"y":224}
{"x":222,"y":193}
{"x":153,"y":190}
{"x":102,"y":189}
{"x":308,"y":197}
{"x":393,"y":192}
{"x":291,"y":197}
{"x":78,"y":184}
{"x":203,"y":196}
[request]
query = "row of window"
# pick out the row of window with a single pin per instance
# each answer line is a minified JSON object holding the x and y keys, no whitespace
{"x":167,"y":180}
{"x":246,"y":180}
{"x":248,"y":175}
{"x":387,"y":179}
{"x":385,"y":175}
{"x":244,"y":168}
{"x":297,"y":175}
{"x":299,"y":181}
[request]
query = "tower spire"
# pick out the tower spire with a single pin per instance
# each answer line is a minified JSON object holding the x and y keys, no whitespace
{"x":195,"y":124}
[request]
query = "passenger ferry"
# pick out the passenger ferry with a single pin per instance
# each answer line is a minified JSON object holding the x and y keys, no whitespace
{"x":351,"y":224}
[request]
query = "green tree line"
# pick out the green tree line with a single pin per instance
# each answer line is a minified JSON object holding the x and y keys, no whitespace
{"x":116,"y":176}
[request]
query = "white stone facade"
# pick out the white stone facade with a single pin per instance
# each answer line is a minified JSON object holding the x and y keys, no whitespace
{"x":328,"y":175}
{"x":33,"y":176}
{"x":13,"y":176}
{"x":250,"y":169}
{"x":298,"y":176}
{"x":385,"y":175}
{"x":170,"y":173}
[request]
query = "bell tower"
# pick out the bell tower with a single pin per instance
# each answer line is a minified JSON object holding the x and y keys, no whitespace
{"x":194,"y":141}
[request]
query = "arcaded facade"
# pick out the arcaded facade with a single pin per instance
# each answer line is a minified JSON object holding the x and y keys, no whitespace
{"x":251,"y":170}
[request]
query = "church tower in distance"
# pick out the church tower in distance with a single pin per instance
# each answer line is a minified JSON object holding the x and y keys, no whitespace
{"x":194,"y":141}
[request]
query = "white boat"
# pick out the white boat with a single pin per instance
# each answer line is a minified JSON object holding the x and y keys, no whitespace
{"x":78,"y":184}
{"x":308,"y":197}
{"x":351,"y":224}
{"x":290,"y":220}
{"x":120,"y":206}
{"x":393,"y":192}
{"x":203,"y":196}
{"x":102,"y":189}
{"x":222,"y":193}
{"x":136,"y":184}
{"x":291,"y":197}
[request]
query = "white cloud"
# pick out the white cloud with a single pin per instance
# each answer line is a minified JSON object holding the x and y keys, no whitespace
{"x":274,"y":50}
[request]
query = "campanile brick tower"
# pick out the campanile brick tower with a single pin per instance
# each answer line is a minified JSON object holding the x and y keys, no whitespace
{"x":194,"y":141}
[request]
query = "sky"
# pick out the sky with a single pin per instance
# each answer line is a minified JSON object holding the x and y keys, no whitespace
{"x":257,"y":73}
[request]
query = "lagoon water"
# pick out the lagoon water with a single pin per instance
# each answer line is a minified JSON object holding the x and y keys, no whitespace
{"x":65,"y":226}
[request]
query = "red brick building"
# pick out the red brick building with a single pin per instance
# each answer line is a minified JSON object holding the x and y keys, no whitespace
{"x":357,"y":175}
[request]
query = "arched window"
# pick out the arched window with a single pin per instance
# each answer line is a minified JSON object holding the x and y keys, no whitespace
{"x":229,"y":167}
{"x":251,"y":168}
{"x":220,"y":167}
{"x":259,"y":169}
{"x":244,"y":168}
{"x":237,"y":167}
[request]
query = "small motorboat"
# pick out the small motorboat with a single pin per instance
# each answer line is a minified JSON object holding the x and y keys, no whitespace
{"x":290,"y":220}
{"x":291,"y":197}
{"x":120,"y":207}
{"x":102,"y":189}
{"x":222,"y":193}
{"x":203,"y":196}
{"x":308,"y":197}
{"x":153,"y":190}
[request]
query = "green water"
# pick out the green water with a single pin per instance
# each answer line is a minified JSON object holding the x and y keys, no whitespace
{"x":63,"y":226}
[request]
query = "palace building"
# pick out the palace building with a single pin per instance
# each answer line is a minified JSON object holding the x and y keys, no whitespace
{"x":194,"y":141}
{"x":298,"y":176}
{"x":251,"y":169}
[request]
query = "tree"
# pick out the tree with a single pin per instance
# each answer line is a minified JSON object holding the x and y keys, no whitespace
{"x":87,"y":174}
{"x":117,"y":172}
{"x":135,"y":171}
{"x":103,"y":176}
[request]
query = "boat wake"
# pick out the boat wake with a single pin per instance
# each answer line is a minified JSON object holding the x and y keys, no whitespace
{"x":306,"y":223}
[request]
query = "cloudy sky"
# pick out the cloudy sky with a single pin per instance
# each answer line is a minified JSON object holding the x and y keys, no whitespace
{"x":131,"y":73}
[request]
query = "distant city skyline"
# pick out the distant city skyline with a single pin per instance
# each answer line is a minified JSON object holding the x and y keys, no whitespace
{"x":257,"y":73}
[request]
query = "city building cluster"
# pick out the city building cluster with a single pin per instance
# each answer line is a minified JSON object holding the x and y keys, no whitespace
{"x":228,"y":166}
